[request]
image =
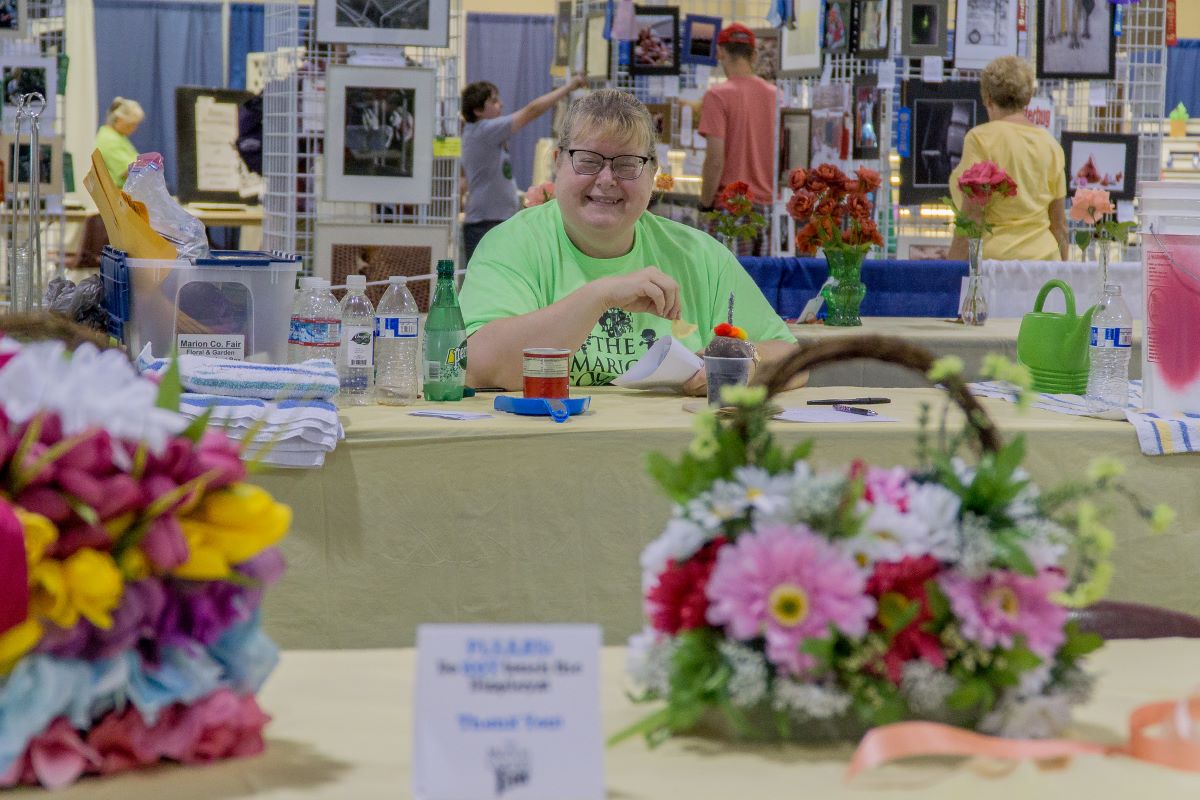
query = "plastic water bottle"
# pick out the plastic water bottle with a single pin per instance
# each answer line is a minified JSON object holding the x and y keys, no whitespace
{"x":316,"y":330}
{"x":397,"y":327}
{"x":356,"y":362}
{"x":1112,"y":339}
{"x":445,"y":340}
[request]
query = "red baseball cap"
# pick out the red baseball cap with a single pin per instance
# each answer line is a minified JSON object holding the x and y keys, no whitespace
{"x":737,"y":33}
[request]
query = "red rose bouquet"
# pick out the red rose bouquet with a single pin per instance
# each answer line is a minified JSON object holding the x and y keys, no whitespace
{"x":834,"y":211}
{"x":981,"y":185}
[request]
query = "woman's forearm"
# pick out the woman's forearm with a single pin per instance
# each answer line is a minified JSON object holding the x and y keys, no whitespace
{"x":958,"y":248}
{"x":494,"y":351}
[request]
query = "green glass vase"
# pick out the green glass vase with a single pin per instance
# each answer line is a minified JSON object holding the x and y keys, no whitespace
{"x":844,"y":296}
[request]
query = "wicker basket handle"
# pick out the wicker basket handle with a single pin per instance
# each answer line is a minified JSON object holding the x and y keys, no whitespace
{"x":889,"y":350}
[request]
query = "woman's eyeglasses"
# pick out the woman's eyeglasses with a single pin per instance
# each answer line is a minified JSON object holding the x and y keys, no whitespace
{"x":627,"y":168}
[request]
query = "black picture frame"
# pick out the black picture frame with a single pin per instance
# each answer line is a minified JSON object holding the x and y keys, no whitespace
{"x":694,"y":50}
{"x":917,"y":38}
{"x":837,"y":26}
{"x":1076,"y":153}
{"x":187,"y":175}
{"x":646,"y":54}
{"x":795,"y":134}
{"x":1077,"y":62}
{"x":866,"y":108}
{"x":942,"y":113}
{"x":864,"y":14}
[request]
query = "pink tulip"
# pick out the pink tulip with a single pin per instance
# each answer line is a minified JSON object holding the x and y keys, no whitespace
{"x":47,"y":502}
{"x":121,"y":494}
{"x":14,"y":576}
{"x":164,"y":544}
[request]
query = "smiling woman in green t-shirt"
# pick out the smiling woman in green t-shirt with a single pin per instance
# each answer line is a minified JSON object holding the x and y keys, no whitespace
{"x":594,"y":272}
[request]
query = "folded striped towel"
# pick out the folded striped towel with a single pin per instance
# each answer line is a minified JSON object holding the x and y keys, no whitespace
{"x":315,"y":379}
{"x":1158,"y":434}
{"x":292,"y":433}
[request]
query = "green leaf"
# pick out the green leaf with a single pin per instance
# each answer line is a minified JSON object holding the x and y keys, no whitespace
{"x":1079,"y":643}
{"x":821,"y":650}
{"x":1022,"y":659}
{"x":971,"y":693}
{"x":939,"y":606}
{"x":170,"y":388}
{"x":195,"y":430}
{"x":1013,"y":554}
{"x":896,"y":612}
{"x":1083,"y":239}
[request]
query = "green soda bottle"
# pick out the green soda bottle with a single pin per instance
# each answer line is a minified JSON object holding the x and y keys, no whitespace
{"x":445,"y":340}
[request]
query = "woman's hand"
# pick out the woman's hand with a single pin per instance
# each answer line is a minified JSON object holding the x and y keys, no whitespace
{"x":650,"y":290}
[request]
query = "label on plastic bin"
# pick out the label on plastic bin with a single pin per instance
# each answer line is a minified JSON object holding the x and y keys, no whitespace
{"x":397,"y":327}
{"x":1112,"y":337}
{"x":213,"y":345}
{"x":358,"y":346}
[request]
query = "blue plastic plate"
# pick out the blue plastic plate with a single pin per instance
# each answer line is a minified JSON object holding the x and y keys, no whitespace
{"x":539,"y":407}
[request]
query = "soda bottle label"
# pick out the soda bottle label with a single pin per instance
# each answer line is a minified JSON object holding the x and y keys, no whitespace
{"x":445,"y":364}
{"x":315,"y":332}
{"x":358,"y":345}
{"x":397,"y":327}
{"x":1112,"y":337}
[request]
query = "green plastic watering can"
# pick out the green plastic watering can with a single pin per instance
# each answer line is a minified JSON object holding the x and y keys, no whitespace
{"x":1055,"y":346}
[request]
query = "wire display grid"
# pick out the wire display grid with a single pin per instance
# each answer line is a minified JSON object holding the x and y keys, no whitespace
{"x":295,"y":69}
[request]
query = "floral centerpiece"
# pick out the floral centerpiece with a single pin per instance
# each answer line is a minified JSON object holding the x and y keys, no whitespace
{"x":133,"y":559}
{"x":792,"y":601}
{"x":981,"y":185}
{"x":733,"y":216}
{"x":835,"y":213}
{"x":1094,"y":207}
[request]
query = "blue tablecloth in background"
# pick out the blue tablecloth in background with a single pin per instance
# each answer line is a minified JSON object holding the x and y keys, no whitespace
{"x":894,"y":288}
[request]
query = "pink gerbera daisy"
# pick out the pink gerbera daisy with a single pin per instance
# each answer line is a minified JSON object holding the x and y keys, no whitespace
{"x":787,"y":584}
{"x":993,"y":610}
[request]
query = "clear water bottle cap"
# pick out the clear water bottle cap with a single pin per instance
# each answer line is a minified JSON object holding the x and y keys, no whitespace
{"x":397,"y":280}
{"x":356,"y":281}
{"x":310,"y":282}
{"x":1113,"y":289}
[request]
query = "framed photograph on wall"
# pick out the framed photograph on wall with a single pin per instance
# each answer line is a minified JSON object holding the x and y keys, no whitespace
{"x":1101,"y":161}
{"x":379,"y":134}
{"x":655,"y":51}
{"x":984,"y":30}
{"x":868,"y":116}
{"x":208,"y":166}
{"x":700,"y":40}
{"x":380,"y":251}
{"x":50,"y":163}
{"x":424,"y":23}
{"x":14,"y":19}
{"x":800,"y":43}
{"x":830,"y":123}
{"x":924,"y":28}
{"x":870,"y":36}
{"x":922,"y":248}
{"x":795,"y":141}
{"x":660,"y":113}
{"x":597,"y":50}
{"x":562,"y":34}
{"x":836,"y":38}
{"x":20,"y":75}
{"x":1073,"y":42}
{"x":766,"y":53}
{"x":942,"y":113}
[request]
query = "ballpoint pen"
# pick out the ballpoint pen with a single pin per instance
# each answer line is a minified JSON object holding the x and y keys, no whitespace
{"x":866,"y":412}
{"x":862,"y":401}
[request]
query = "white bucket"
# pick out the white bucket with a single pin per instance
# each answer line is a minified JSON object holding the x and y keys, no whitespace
{"x":1171,"y":285}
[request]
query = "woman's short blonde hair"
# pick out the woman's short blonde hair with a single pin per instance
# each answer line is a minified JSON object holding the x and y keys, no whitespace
{"x":125,"y":110}
{"x":1009,"y":82}
{"x":609,"y":114}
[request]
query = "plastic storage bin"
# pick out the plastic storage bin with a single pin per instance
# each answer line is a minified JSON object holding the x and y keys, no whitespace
{"x":235,"y":304}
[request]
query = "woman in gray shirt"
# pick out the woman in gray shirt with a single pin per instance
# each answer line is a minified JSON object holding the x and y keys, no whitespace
{"x":492,"y":195}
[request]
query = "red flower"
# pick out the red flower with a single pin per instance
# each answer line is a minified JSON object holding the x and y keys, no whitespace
{"x":907,"y":578}
{"x":797,"y":178}
{"x":858,"y":207}
{"x":827,"y":207}
{"x":868,"y":179}
{"x":678,"y":601}
{"x":984,"y":179}
{"x":831,"y":175}
{"x":802,"y":203}
{"x":806,"y":240}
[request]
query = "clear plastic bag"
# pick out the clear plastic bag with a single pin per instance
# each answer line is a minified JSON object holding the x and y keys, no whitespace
{"x":146,"y":185}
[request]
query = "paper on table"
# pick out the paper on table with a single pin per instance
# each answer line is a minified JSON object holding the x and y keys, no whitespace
{"x":431,"y":412}
{"x":827,"y":414}
{"x":666,"y":365}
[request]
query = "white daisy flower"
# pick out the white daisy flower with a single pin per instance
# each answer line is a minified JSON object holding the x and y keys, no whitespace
{"x":1045,"y":541}
{"x":681,"y":539}
{"x":767,"y":494}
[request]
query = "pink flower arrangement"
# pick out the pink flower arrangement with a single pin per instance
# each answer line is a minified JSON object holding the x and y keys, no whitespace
{"x":539,"y":193}
{"x":1094,"y":207}
{"x":1091,"y":205}
{"x":981,"y":184}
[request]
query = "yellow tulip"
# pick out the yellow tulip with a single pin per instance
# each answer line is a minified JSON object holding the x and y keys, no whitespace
{"x":17,"y":641}
{"x":40,"y":533}
{"x":228,"y":527}
{"x":95,"y":585}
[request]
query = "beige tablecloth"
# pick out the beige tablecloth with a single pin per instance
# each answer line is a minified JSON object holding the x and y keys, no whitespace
{"x":941,"y":336}
{"x":343,"y":731}
{"x":519,"y":519}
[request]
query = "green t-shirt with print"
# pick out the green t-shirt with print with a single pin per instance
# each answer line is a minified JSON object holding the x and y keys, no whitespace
{"x":528,"y":263}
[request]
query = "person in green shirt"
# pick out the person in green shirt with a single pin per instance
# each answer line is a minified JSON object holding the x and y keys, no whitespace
{"x":594,"y":272}
{"x":112,"y":140}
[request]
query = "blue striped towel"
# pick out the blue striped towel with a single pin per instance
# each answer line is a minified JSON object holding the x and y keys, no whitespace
{"x":294,"y":433}
{"x":1158,"y":434}
{"x":315,"y":379}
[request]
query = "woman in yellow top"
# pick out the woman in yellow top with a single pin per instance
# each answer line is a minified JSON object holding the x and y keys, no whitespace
{"x":1033,"y":225}
{"x":112,"y":140}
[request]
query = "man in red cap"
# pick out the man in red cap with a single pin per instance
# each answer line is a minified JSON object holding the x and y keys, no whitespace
{"x":737,"y":118}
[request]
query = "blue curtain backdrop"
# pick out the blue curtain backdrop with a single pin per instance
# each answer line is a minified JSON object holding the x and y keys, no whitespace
{"x":245,"y":36}
{"x":514,"y":51}
{"x":144,"y":49}
{"x":1183,"y":76}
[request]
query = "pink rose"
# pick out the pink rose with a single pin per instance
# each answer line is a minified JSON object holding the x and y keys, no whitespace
{"x":983,"y":180}
{"x":1090,"y":205}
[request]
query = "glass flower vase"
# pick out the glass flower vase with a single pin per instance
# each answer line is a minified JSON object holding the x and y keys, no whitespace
{"x":844,"y":296}
{"x":975,"y":306}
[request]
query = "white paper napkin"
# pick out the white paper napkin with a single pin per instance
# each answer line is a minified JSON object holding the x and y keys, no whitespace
{"x":666,"y":365}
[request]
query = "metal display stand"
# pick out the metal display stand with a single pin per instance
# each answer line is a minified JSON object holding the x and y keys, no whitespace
{"x":295,"y":70}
